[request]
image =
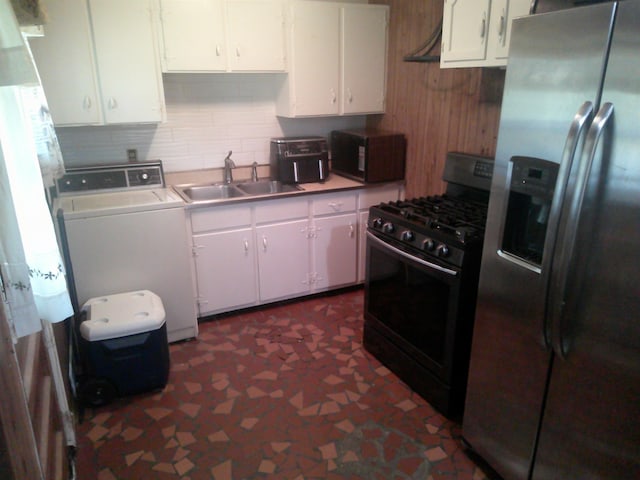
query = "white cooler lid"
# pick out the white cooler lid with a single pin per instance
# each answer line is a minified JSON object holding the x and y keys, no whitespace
{"x":121,"y":315}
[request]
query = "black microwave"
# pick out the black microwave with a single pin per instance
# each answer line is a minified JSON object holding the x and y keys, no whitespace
{"x":368,"y":155}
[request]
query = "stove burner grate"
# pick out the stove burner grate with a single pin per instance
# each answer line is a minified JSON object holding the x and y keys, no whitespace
{"x":460,"y":217}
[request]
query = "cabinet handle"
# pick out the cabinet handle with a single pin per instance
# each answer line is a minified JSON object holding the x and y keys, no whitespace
{"x":483,"y":25}
{"x":264,"y":243}
{"x":349,"y":95}
{"x":501,"y":24}
{"x":246,"y":246}
{"x":351,"y":230}
{"x":86,"y":104}
{"x":334,"y":97}
{"x":218,"y":50}
{"x":113,"y":104}
{"x":237,"y":51}
{"x":336,"y":206}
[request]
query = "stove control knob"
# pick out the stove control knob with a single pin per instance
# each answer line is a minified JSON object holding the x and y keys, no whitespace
{"x":428,"y":245}
{"x":407,"y":236}
{"x":442,"y":250}
{"x":377,"y":223}
{"x":388,"y":227}
{"x":144,"y":177}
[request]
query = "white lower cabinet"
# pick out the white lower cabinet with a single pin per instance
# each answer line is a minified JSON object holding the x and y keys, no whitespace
{"x":335,"y":251}
{"x":223,"y":246}
{"x":225,"y":270}
{"x":259,"y":252}
{"x":334,"y":233}
{"x":283,"y":259}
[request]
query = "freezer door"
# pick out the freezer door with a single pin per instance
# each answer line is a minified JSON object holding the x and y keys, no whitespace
{"x":591,"y":424}
{"x":555,"y":66}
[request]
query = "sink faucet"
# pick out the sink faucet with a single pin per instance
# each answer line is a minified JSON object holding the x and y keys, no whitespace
{"x":254,"y":172}
{"x":228,"y":165}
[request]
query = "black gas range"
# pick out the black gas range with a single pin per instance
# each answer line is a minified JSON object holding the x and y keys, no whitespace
{"x":443,"y":226}
{"x":423,"y":262}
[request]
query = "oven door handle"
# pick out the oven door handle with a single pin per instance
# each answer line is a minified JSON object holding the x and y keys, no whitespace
{"x":384,"y":244}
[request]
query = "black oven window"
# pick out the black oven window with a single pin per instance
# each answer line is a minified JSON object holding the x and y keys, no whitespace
{"x":410,"y":301}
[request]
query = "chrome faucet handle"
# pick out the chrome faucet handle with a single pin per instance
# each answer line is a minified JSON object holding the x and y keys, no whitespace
{"x":254,"y":172}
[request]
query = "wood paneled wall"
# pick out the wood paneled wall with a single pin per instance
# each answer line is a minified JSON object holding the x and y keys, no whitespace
{"x":438,"y":110}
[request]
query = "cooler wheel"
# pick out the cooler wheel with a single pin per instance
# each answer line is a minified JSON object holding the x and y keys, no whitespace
{"x":97,"y":392}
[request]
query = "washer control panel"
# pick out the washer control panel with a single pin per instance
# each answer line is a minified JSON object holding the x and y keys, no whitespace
{"x":111,"y":177}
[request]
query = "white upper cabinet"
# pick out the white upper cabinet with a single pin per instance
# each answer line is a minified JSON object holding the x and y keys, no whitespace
{"x":465,"y":28}
{"x":364,"y":58}
{"x":313,"y":84}
{"x":193,"y":35}
{"x":65,"y":61}
{"x":99,"y":64}
{"x":127,"y":61}
{"x":337,"y":59}
{"x":222,"y":35}
{"x":475,"y":33}
{"x":255,"y":35}
{"x":502,"y":13}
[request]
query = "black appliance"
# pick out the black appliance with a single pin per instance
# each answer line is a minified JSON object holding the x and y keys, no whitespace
{"x":368,"y":155}
{"x":423,"y":261}
{"x":299,"y":159}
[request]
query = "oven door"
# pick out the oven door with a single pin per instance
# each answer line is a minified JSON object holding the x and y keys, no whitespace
{"x":412,"y":301}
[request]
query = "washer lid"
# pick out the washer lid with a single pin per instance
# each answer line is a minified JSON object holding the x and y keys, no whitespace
{"x":121,"y":315}
{"x":96,"y":204}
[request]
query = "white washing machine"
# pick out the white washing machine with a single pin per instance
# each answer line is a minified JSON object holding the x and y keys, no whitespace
{"x":123,"y":230}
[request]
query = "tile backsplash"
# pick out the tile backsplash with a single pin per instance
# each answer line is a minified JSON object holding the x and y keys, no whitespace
{"x":207,"y":115}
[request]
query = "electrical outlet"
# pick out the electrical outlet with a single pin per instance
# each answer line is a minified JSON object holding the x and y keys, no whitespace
{"x":132,"y":154}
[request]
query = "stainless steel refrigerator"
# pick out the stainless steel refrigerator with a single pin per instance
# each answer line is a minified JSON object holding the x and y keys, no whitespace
{"x":554,"y":380}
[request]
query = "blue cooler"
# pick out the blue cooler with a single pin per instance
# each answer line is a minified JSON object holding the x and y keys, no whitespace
{"x":124,"y":341}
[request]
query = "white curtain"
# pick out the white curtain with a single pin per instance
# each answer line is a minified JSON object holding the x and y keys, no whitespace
{"x":30,"y":262}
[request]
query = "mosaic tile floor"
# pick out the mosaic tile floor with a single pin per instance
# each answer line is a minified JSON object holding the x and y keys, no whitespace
{"x":286,"y":392}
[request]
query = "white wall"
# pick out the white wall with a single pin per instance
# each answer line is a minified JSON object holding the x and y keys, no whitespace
{"x":207,"y":115}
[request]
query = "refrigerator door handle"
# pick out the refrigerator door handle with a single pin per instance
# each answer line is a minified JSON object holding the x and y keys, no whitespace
{"x":578,"y":126}
{"x":559,"y":276}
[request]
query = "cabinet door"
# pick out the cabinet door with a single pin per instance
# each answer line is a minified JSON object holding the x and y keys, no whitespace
{"x":465,"y":29}
{"x":225,"y":270}
{"x":255,"y":32}
{"x":283,"y":259}
{"x":127,"y":61}
{"x":502,"y":13}
{"x":364,"y":56}
{"x":193,"y":35}
{"x":335,"y":250}
{"x":64,"y":58}
{"x":314,"y":72}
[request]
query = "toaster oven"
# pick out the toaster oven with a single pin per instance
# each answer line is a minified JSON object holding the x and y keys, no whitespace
{"x":299,"y":159}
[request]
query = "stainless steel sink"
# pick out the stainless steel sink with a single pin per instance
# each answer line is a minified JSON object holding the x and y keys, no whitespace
{"x":219,"y":192}
{"x":204,"y":193}
{"x":266,"y":187}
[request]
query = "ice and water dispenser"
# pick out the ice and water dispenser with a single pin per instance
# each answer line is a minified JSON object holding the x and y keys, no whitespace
{"x":531,"y":191}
